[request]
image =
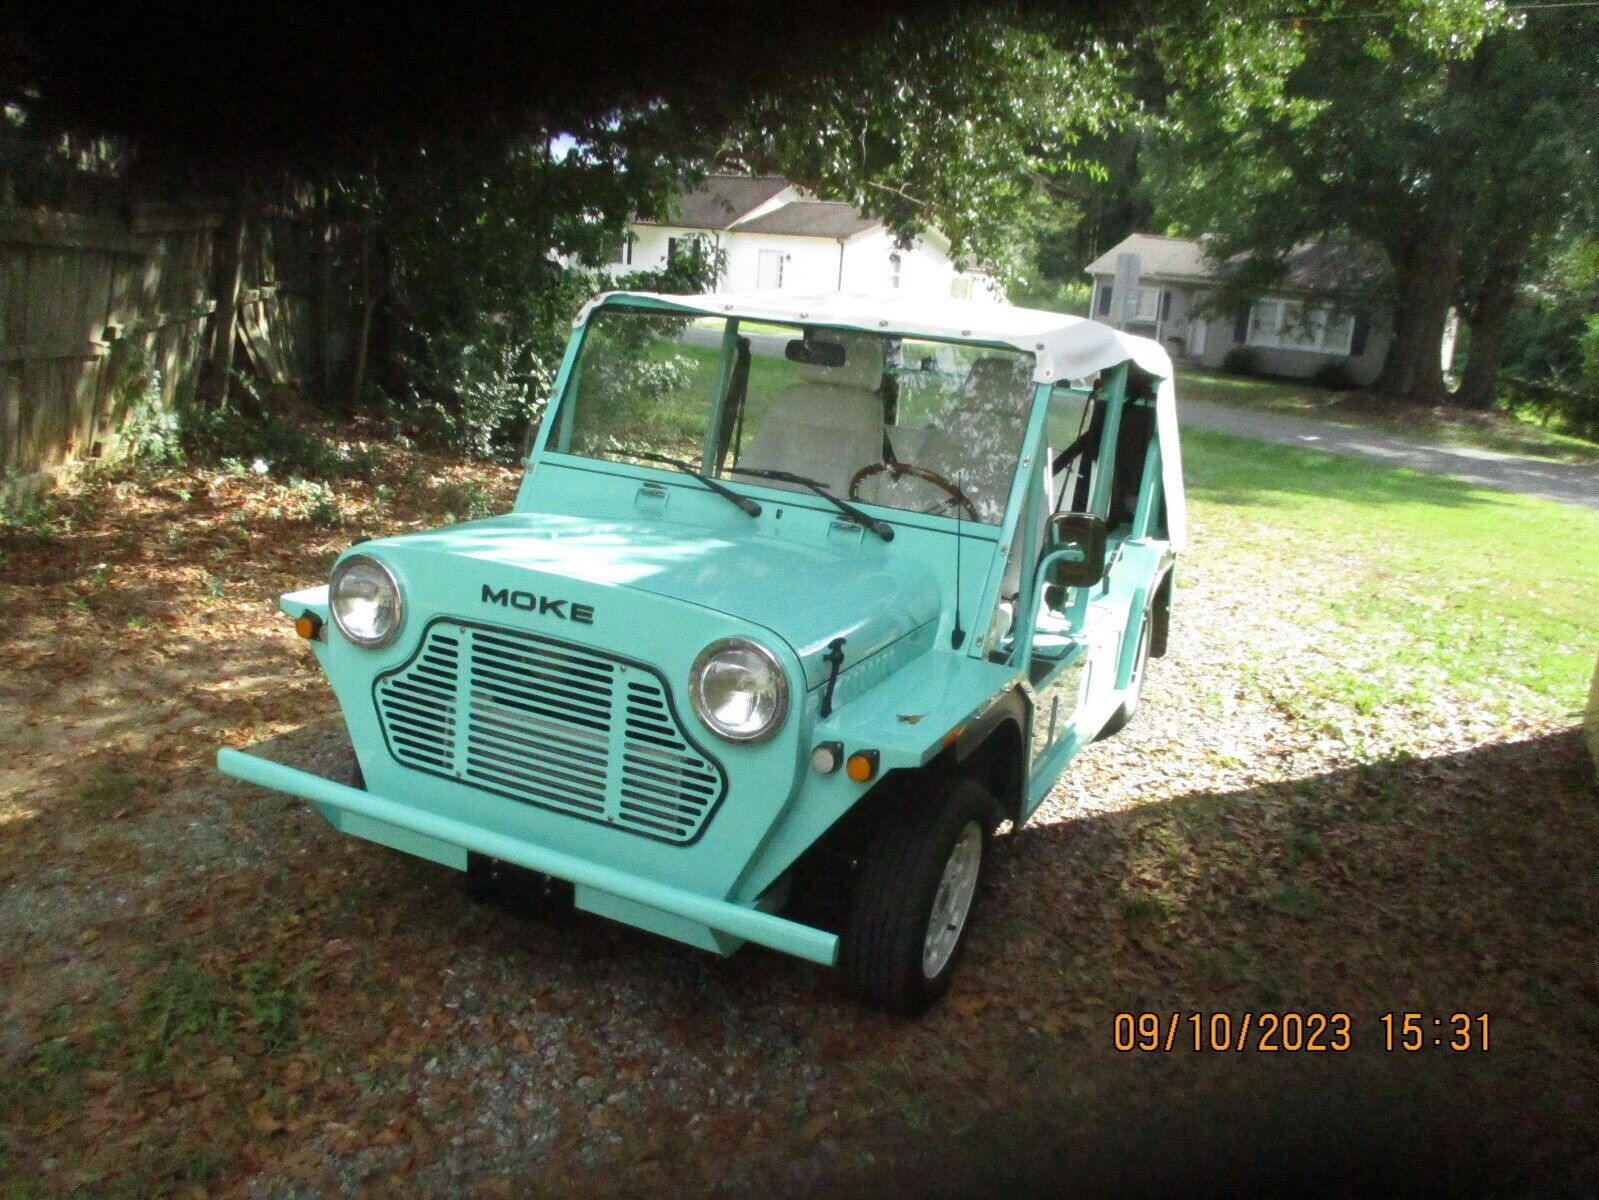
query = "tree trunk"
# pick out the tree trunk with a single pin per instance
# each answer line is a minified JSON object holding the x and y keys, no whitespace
{"x":1489,"y":311}
{"x":1427,"y":267}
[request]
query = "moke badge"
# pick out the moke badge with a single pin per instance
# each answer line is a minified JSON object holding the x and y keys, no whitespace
{"x":544,"y":606}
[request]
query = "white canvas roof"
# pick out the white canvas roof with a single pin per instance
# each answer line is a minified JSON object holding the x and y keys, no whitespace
{"x":1063,"y":348}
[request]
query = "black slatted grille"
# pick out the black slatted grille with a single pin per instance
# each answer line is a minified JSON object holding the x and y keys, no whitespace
{"x":549,"y":723}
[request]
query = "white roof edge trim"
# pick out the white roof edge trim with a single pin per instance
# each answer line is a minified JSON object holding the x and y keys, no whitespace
{"x":1063,"y":348}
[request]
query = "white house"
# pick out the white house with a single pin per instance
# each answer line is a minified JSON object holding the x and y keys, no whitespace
{"x":777,"y":237}
{"x":1295,"y":330}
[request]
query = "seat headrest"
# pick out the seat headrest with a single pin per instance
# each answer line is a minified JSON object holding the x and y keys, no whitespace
{"x":863,"y":361}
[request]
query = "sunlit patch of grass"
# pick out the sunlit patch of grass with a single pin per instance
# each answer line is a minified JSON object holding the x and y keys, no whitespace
{"x":1485,"y":592}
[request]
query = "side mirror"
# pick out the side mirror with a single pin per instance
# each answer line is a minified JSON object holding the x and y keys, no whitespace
{"x":1076,"y":553}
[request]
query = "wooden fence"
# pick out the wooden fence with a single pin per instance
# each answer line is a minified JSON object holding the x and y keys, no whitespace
{"x":87,"y":302}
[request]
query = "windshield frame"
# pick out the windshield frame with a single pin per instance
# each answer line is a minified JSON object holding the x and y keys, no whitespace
{"x":563,"y":391}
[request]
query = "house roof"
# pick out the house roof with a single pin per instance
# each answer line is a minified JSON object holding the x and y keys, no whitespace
{"x":720,"y":201}
{"x":1170,"y":257}
{"x":811,"y":218}
{"x":1323,"y":266}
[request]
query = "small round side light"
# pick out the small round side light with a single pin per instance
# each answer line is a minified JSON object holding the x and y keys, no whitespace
{"x":827,"y":757}
{"x":308,"y":625}
{"x":862,"y":766}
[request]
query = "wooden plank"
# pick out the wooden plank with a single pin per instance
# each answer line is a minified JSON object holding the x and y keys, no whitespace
{"x":150,"y":218}
{"x":24,"y":227}
{"x":10,"y":421}
{"x":160,"y":320}
{"x":59,"y":352}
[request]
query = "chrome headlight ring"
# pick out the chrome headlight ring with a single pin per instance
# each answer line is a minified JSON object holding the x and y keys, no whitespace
{"x":365,"y":602}
{"x":738,"y":690}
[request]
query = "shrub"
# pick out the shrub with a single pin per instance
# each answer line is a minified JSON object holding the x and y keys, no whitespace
{"x":1334,"y":375}
{"x":286,"y":447}
{"x":1240,"y":360}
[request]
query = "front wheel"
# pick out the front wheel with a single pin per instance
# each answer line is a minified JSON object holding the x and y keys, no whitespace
{"x":914,"y":896}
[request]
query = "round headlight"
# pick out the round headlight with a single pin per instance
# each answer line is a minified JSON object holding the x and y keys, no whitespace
{"x":738,"y":689}
{"x":365,"y":601}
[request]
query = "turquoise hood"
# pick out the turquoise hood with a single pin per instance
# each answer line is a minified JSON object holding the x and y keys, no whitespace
{"x":806,"y":594}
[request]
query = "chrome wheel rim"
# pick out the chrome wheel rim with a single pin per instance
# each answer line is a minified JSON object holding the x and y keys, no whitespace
{"x":953,"y":900}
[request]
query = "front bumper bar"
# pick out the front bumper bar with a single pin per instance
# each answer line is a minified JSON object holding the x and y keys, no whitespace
{"x":791,"y":937}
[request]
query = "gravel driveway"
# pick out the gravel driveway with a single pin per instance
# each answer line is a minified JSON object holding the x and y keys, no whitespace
{"x":207,"y":991}
{"x":1567,"y":483}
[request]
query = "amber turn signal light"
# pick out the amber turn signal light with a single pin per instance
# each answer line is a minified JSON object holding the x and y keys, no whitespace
{"x":308,"y":625}
{"x":862,"y":765}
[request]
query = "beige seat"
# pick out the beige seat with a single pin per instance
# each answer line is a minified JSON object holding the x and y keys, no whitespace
{"x":830,"y":424}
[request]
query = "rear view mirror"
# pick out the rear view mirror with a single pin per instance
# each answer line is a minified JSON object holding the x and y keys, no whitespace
{"x":813,"y":353}
{"x":1076,"y":553}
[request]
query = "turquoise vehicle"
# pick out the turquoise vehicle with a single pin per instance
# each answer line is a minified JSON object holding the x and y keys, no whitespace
{"x":802,"y":599}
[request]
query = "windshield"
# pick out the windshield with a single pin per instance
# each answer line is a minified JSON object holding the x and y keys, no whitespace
{"x":911,"y":424}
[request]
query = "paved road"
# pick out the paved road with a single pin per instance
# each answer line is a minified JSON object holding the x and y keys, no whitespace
{"x":1567,"y":483}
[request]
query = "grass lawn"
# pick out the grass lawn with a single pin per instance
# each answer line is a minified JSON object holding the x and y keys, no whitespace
{"x":1496,"y":431}
{"x":1437,"y":582}
{"x":1354,"y":785}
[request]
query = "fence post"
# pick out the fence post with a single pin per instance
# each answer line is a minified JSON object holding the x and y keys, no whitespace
{"x":224,"y":323}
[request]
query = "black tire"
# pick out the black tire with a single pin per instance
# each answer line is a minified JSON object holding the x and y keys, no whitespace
{"x":1123,"y":714}
{"x":896,"y":886}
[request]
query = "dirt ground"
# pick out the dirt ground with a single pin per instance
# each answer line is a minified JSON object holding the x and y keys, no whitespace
{"x":206,"y":991}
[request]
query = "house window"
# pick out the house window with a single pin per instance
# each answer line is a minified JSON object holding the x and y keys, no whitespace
{"x":692,"y":247}
{"x":960,"y":288}
{"x":1148,"y":305}
{"x":1103,"y":309}
{"x":895,"y":262}
{"x":769,"y":270}
{"x":622,"y":252}
{"x":1291,"y":325}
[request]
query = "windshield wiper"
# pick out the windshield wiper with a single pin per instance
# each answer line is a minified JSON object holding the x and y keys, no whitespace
{"x":747,"y":503}
{"x":881,"y":528}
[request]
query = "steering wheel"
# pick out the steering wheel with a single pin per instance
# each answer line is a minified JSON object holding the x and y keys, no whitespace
{"x":898,"y":470}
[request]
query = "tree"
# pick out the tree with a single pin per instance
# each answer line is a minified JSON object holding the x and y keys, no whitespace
{"x":960,"y":122}
{"x":1538,"y":159}
{"x":1374,"y":131}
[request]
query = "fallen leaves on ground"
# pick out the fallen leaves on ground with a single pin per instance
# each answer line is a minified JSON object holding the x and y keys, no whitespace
{"x":209,"y":992}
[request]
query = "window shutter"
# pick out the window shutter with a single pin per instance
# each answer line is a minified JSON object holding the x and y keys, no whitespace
{"x":1104,"y":300}
{"x":1241,"y":327}
{"x":1357,"y":339}
{"x":1165,"y":306}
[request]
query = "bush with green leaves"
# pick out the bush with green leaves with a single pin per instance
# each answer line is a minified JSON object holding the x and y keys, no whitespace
{"x":273,"y":444}
{"x":1240,"y":360}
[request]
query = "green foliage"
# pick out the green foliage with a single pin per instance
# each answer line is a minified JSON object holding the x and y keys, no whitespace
{"x":464,"y":502}
{"x":1240,"y":360}
{"x":961,"y":122}
{"x":1453,"y":154}
{"x":270,"y":444}
{"x":484,"y":260}
{"x":1069,"y":296}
